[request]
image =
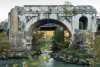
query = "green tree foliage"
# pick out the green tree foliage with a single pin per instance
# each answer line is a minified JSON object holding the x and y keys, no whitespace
{"x":58,"y":42}
{"x":5,"y":44}
{"x":59,"y":34}
{"x":94,"y":47}
{"x":46,"y":47}
{"x":36,"y":60}
{"x":38,"y":40}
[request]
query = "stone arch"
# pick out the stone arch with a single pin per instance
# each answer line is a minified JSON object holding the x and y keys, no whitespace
{"x":83,"y":23}
{"x":45,"y":21}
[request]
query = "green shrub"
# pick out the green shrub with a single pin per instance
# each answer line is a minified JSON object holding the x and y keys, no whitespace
{"x":77,"y":55}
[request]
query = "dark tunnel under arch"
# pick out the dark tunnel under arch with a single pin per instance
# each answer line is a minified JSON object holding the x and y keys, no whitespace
{"x":83,"y":23}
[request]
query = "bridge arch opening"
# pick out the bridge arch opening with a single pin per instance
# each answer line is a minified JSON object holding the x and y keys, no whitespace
{"x":39,"y":23}
{"x":83,"y":23}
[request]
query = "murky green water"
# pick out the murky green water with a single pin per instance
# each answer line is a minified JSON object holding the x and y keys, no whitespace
{"x":51,"y":63}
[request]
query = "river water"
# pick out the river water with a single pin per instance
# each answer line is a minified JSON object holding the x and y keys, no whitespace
{"x":51,"y":63}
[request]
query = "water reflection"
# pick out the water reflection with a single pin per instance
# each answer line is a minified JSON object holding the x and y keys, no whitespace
{"x":51,"y":63}
{"x":55,"y":63}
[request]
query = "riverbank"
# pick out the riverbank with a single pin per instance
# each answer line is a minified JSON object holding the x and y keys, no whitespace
{"x":52,"y":63}
{"x":70,"y":59}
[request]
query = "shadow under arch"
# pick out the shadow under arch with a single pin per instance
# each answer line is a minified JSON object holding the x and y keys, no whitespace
{"x":2,"y":30}
{"x":83,"y":23}
{"x":45,"y":21}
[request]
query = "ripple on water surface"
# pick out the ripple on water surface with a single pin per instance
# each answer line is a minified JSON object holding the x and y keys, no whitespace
{"x":51,"y":63}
